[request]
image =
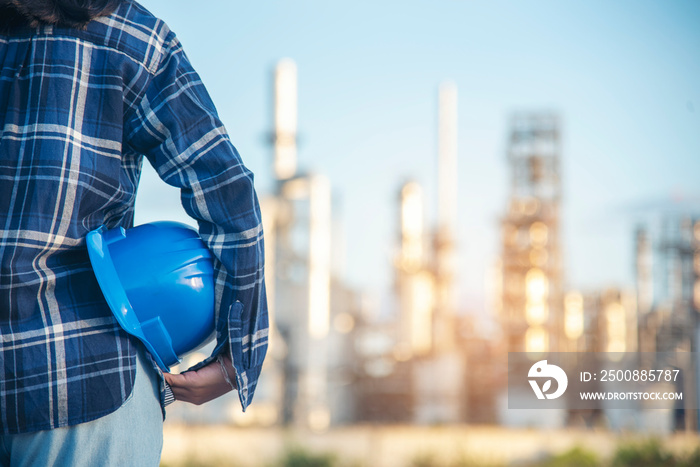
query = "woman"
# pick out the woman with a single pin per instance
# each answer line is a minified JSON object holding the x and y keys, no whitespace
{"x":87,"y":88}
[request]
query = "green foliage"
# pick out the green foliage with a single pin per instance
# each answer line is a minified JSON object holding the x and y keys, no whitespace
{"x":298,"y":457}
{"x":648,"y":454}
{"x":576,"y":457}
{"x":692,"y":460}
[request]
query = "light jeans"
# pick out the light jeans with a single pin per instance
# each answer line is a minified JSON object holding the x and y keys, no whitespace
{"x":130,"y":436}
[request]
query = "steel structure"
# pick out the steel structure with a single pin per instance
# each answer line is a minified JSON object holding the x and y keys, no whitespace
{"x":426,"y":286}
{"x":414,"y":283}
{"x":298,"y":224}
{"x":532,"y":277}
{"x":670,"y":320}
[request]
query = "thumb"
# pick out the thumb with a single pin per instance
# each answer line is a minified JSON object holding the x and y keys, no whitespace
{"x":174,"y":379}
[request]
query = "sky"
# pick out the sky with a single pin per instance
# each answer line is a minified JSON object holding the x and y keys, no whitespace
{"x":623,"y":75}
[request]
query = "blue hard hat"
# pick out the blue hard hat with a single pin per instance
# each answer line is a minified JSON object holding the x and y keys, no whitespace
{"x":158,"y":280}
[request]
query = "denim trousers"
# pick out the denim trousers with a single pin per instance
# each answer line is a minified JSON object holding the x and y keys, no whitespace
{"x":130,"y":436}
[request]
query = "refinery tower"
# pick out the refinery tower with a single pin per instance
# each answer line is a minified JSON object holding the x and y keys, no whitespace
{"x":311,"y":311}
{"x":532,"y":278}
{"x":425,"y":278}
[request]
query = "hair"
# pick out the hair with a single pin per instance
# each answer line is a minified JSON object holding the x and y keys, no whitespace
{"x":62,"y":13}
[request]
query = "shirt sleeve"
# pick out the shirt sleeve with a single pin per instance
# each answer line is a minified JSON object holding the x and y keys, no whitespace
{"x":175,"y":125}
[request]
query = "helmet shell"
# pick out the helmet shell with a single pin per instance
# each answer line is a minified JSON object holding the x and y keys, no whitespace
{"x":158,"y":280}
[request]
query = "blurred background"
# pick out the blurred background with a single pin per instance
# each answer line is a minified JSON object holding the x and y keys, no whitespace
{"x":443,"y":183}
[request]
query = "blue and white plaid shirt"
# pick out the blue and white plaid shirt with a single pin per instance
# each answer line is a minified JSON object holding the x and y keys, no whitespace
{"x":78,"y":111}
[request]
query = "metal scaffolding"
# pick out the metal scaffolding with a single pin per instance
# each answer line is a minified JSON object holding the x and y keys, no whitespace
{"x":532,"y":277}
{"x":670,"y":297}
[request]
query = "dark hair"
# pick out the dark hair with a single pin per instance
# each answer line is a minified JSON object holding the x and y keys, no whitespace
{"x":65,"y":13}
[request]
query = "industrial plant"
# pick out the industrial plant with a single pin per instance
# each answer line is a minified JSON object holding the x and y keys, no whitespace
{"x":331,"y":363}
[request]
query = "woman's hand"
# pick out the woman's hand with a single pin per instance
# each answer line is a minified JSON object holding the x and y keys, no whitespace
{"x":203,"y":385}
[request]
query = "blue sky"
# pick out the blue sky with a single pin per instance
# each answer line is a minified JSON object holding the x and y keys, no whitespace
{"x":623,"y":75}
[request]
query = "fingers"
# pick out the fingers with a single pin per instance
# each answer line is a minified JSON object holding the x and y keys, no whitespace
{"x":198,"y":387}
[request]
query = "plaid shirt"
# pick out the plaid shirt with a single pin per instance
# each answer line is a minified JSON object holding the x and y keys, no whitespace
{"x":78,"y":111}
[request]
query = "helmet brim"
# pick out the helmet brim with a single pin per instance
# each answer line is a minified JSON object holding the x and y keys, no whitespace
{"x":98,"y":249}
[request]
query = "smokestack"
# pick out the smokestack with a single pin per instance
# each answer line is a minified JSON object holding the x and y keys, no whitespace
{"x":643,"y":263}
{"x":416,"y":285}
{"x":445,"y":297}
{"x":285,"y":131}
{"x":447,"y":159}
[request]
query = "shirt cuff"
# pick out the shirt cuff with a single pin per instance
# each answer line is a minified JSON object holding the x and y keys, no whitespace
{"x":168,"y":396}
